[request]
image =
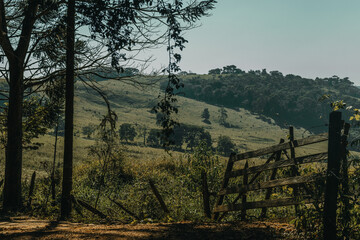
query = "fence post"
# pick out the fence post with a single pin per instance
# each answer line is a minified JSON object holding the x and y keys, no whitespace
{"x":243,"y":199}
{"x":158,"y":197}
{"x":332,"y":178}
{"x":31,"y":191}
{"x":294,"y":169}
{"x":345,"y":183}
{"x":205,"y":192}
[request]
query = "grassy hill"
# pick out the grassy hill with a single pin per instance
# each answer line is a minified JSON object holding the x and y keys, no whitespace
{"x":133,"y":104}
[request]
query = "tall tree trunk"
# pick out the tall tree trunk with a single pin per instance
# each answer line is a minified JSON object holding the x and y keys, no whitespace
{"x":69,"y":113}
{"x":16,"y":58}
{"x":13,"y":164}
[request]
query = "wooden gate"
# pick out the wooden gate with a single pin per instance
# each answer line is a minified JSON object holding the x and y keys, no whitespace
{"x":336,"y":138}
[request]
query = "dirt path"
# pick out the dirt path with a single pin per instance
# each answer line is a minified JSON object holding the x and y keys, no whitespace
{"x":28,"y":228}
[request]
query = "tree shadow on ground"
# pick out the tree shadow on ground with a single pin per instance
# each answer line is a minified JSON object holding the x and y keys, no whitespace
{"x":174,"y":231}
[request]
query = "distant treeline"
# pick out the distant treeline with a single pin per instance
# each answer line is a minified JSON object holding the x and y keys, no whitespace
{"x":287,"y":99}
{"x":185,"y":137}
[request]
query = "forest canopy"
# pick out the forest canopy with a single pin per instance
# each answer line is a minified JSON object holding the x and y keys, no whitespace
{"x":288,"y":99}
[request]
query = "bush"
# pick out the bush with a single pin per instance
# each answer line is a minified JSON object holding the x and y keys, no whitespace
{"x":88,"y":130}
{"x":225,"y":146}
{"x":153,"y":138}
{"x":206,"y":115}
{"x":127,"y":132}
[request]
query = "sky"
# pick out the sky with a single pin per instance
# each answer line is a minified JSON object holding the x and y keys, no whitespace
{"x":310,"y":38}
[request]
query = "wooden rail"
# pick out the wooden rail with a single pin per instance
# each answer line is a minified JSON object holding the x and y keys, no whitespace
{"x":264,"y":204}
{"x":281,"y":164}
{"x":270,"y":184}
{"x":284,"y":146}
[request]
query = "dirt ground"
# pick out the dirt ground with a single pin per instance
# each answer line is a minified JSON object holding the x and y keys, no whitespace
{"x":30,"y":228}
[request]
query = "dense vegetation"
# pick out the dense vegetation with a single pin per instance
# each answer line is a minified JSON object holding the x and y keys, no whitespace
{"x":287,"y":99}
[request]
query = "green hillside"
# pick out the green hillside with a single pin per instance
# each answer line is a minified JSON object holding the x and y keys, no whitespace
{"x":249,"y":130}
{"x":287,"y":99}
{"x":133,"y":105}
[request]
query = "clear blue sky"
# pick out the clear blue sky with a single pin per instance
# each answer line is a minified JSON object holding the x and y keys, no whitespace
{"x":310,"y":38}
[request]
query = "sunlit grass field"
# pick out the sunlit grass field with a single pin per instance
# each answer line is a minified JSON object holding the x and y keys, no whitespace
{"x":133,"y":105}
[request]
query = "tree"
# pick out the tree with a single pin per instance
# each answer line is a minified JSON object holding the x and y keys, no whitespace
{"x":206,"y":115}
{"x":124,"y":17}
{"x":69,"y":112}
{"x":26,"y":62}
{"x":223,"y":116}
{"x":194,"y":135}
{"x":143,"y":131}
{"x":215,"y":71}
{"x":16,"y":56}
{"x":127,"y":132}
{"x":231,"y":69}
{"x":153,"y":138}
{"x":118,"y":26}
{"x":56,"y":93}
{"x":225,"y":146}
{"x":88,"y":130}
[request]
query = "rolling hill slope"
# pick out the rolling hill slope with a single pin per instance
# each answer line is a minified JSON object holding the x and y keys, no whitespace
{"x":133,"y":105}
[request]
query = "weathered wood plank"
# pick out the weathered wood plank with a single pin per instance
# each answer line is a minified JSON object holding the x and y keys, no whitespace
{"x":206,"y":195}
{"x":267,"y":162}
{"x":261,"y":204}
{"x":158,"y":197}
{"x":272,"y":177}
{"x":297,"y":143}
{"x":31,"y":191}
{"x":220,"y":198}
{"x":280,"y":164}
{"x":294,"y":169}
{"x":243,"y":198}
{"x":91,"y":209}
{"x":124,"y":209}
{"x":270,"y":184}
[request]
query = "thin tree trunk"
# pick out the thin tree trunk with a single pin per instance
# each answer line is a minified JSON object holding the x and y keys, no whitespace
{"x":13,"y":164}
{"x":53,"y":193}
{"x":69,"y":114}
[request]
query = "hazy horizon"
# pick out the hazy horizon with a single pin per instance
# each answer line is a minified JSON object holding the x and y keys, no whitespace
{"x":307,"y":38}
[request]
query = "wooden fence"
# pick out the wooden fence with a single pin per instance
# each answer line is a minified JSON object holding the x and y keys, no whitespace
{"x":336,"y":143}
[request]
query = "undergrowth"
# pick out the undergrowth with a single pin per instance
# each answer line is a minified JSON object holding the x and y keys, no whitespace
{"x":107,"y":182}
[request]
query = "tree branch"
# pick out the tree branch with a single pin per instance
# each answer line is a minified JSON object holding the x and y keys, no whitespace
{"x":4,"y":38}
{"x":27,"y":26}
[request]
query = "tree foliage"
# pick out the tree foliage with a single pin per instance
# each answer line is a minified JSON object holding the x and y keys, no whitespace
{"x":39,"y":54}
{"x":225,"y":146}
{"x":223,"y":117}
{"x":38,"y":116}
{"x":127,"y":132}
{"x":287,"y":99}
{"x":206,"y":115}
{"x":189,"y":135}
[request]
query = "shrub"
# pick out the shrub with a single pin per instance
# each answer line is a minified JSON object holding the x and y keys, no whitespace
{"x":127,"y":132}
{"x":225,"y":146}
